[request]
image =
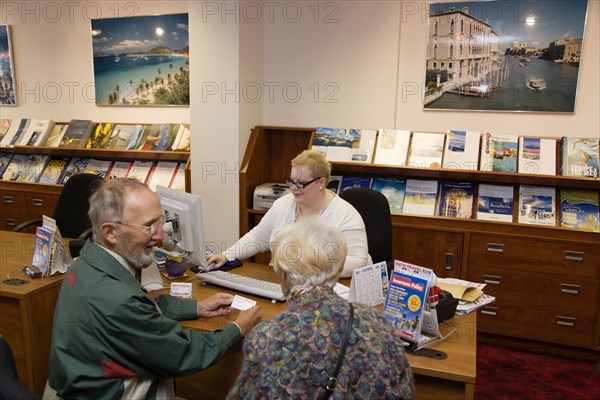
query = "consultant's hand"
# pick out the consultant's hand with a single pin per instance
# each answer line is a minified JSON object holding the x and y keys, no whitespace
{"x":247,"y":319}
{"x":216,"y":260}
{"x":215,"y":305}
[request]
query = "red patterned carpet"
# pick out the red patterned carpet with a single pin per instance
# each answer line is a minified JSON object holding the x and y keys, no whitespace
{"x":506,"y":373}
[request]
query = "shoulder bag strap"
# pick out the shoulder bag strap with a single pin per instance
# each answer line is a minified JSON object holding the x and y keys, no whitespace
{"x":332,"y":381}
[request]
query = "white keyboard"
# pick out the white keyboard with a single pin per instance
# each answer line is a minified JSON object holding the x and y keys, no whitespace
{"x":243,"y":284}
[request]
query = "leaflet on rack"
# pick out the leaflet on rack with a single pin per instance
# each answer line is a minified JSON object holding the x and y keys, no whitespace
{"x":407,"y":303}
{"x":60,"y":256}
{"x":369,"y":284}
{"x":430,"y":324}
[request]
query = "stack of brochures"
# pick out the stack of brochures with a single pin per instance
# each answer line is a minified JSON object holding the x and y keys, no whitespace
{"x":50,"y":255}
{"x":469,"y":294}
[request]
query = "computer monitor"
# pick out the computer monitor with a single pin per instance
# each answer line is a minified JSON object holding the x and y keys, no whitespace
{"x":183,"y":228}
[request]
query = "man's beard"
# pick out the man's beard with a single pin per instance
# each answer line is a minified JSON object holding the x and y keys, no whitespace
{"x":137,"y":261}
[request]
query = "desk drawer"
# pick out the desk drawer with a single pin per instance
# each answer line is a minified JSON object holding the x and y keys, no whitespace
{"x":9,"y":220}
{"x":560,"y":292}
{"x":37,"y":204}
{"x":11,"y":209}
{"x":537,"y":323}
{"x":535,"y":255}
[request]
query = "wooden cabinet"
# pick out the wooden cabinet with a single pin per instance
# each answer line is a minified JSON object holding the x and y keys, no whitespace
{"x":547,"y":289}
{"x":20,"y":201}
{"x":26,"y":312}
{"x":24,"y":201}
{"x":436,"y":249}
{"x":546,"y":279}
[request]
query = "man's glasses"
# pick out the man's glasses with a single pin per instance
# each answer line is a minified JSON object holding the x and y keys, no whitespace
{"x":147,"y":229}
{"x":299,"y":184}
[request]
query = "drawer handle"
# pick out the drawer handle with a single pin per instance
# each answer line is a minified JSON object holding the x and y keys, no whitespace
{"x":493,"y":311}
{"x":492,"y":280}
{"x":574,"y":255}
{"x":449,"y":261}
{"x":10,"y":222}
{"x":565,"y":321}
{"x":7,"y":199}
{"x":37,"y":202}
{"x":495,"y":247}
{"x":569,"y":289}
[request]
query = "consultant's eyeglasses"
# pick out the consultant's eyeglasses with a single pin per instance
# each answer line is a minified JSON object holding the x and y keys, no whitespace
{"x":147,"y":229}
{"x":299,"y":184}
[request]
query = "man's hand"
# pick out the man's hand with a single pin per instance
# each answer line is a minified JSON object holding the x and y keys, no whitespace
{"x":215,"y":305}
{"x":247,"y":319}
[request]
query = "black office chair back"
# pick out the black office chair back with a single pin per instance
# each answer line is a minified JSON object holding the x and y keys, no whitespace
{"x":10,"y":387}
{"x":374,"y":209}
{"x":71,"y":212}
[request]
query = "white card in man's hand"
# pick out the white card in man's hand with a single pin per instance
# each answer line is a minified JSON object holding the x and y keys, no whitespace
{"x":242,"y":303}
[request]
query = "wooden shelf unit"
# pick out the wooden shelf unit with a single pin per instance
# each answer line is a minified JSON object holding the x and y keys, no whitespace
{"x":542,"y":270}
{"x":22,"y":201}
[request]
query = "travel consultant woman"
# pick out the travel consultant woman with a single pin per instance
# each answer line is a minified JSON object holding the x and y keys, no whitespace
{"x":310,"y":198}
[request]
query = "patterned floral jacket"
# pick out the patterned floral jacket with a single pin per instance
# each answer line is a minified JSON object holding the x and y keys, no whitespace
{"x":292,"y":355}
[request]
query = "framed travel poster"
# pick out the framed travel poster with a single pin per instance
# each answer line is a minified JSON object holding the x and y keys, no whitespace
{"x":516,"y":55}
{"x":7,"y":70}
{"x":141,"y":61}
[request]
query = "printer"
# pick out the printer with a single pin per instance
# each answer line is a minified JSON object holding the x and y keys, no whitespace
{"x":267,"y":193}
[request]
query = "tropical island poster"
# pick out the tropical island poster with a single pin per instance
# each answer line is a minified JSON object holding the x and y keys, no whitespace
{"x":141,"y":61}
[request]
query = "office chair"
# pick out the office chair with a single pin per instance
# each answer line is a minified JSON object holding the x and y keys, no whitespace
{"x":374,"y":209}
{"x":71,"y":211}
{"x":10,"y":387}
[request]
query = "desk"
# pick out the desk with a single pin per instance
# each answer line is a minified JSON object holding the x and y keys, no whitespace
{"x":27,"y":311}
{"x":452,"y":378}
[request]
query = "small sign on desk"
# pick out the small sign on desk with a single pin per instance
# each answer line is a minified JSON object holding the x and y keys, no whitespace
{"x":181,"y":289}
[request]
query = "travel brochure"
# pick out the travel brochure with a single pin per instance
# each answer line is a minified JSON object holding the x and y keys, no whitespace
{"x":369,"y":284}
{"x":90,"y":135}
{"x":50,"y":255}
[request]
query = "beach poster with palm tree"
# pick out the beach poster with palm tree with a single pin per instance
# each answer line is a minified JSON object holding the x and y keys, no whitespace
{"x":141,"y":61}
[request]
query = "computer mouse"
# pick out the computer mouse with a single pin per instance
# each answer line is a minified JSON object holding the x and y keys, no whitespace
{"x":231,"y":265}
{"x":225,"y":267}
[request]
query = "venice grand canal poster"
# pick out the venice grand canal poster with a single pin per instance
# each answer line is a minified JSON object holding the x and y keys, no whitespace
{"x":504,"y":55}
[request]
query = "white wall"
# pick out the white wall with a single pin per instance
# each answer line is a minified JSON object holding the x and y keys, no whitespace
{"x":52,"y":53}
{"x":343,"y":58}
{"x":220,"y":121}
{"x":359,"y":54}
{"x":350,"y":59}
{"x":584,"y":122}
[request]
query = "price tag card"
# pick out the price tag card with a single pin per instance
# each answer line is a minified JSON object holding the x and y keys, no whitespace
{"x":181,"y":289}
{"x":242,"y":303}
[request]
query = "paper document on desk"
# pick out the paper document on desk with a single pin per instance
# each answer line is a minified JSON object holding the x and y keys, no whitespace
{"x":341,"y":290}
{"x":462,"y":290}
{"x":465,"y":307}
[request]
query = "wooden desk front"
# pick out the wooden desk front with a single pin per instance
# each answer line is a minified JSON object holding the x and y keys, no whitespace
{"x":451,"y":378}
{"x":27,"y":311}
